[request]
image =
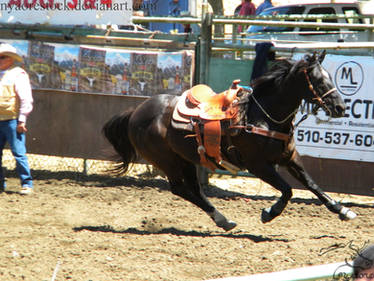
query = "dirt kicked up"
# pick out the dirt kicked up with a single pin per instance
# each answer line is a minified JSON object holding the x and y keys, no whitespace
{"x":133,"y":228}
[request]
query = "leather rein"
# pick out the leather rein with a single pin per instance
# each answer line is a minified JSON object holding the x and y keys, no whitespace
{"x":282,"y":136}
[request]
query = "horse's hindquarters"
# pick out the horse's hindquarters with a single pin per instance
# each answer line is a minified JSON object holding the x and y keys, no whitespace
{"x":151,"y":134}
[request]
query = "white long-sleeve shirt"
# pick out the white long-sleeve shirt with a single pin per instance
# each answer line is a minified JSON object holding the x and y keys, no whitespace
{"x":24,"y":92}
{"x":22,"y":86}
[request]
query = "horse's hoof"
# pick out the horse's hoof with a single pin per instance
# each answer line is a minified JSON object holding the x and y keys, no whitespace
{"x":227,"y":225}
{"x":266,"y":215}
{"x":346,"y":214}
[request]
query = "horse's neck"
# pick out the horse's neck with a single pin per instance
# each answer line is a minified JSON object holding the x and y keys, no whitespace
{"x":281,"y":106}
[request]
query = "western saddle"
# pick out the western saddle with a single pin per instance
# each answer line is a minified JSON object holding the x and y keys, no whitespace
{"x":203,"y":110}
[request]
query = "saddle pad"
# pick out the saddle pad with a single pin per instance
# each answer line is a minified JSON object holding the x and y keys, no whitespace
{"x":182,"y":125}
{"x":182,"y":112}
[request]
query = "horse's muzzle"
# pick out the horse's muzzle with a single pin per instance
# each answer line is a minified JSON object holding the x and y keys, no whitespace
{"x":338,"y":111}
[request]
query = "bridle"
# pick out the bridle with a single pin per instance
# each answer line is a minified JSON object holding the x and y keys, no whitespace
{"x":318,"y":98}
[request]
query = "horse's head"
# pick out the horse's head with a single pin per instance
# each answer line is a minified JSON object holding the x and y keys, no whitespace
{"x":321,"y":91}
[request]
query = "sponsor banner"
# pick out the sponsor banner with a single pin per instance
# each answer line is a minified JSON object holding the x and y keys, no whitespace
{"x":350,"y":137}
{"x":105,"y":70}
{"x":66,"y":12}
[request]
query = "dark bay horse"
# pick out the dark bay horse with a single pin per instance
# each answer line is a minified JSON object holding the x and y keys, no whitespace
{"x":146,"y":131}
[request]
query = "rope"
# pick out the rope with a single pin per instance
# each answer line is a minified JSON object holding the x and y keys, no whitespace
{"x":271,"y":118}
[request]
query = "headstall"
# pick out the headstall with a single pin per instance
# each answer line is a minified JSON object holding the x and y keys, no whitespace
{"x":318,"y":98}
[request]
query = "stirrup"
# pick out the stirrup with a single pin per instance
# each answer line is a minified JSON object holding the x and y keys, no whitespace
{"x":229,"y":167}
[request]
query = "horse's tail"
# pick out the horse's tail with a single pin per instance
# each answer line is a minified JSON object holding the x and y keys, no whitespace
{"x":115,"y":130}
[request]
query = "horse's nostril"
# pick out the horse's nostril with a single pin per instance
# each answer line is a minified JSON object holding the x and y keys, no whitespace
{"x":340,"y":109}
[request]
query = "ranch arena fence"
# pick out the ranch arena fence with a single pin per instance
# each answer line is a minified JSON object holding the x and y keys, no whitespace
{"x":68,"y":124}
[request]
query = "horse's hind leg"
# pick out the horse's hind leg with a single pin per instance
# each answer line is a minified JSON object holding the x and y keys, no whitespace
{"x":183,"y":181}
{"x":191,"y":185}
{"x":296,"y":168}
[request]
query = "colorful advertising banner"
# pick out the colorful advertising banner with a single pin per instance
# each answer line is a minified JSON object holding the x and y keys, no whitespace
{"x":105,"y":70}
{"x":66,"y":12}
{"x":350,"y":137}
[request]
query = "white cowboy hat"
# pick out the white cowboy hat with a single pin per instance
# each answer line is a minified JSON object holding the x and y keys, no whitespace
{"x":8,"y":50}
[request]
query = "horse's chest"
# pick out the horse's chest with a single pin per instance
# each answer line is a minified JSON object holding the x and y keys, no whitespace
{"x":254,"y":147}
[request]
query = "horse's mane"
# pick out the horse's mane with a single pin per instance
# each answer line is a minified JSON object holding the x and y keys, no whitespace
{"x":279,"y":75}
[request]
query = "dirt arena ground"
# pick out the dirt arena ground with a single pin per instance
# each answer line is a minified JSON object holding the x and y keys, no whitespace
{"x":100,"y":228}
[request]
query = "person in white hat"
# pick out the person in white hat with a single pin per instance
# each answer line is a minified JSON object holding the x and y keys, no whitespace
{"x":16,"y":103}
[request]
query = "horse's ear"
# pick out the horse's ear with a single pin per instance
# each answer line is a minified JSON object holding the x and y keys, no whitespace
{"x":321,"y":57}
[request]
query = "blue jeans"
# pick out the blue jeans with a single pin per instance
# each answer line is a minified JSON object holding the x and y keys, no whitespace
{"x":17,"y":143}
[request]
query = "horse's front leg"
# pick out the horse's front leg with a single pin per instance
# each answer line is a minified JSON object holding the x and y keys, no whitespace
{"x":268,"y":173}
{"x":296,"y":168}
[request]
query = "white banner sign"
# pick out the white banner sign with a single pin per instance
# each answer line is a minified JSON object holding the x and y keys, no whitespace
{"x":350,"y":137}
{"x":66,"y":12}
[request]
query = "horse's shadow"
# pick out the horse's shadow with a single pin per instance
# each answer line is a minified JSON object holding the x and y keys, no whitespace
{"x":145,"y":180}
{"x":180,"y":232}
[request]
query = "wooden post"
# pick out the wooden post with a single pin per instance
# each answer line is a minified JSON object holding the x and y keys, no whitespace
{"x":205,"y":51}
{"x":205,"y":46}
